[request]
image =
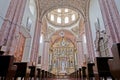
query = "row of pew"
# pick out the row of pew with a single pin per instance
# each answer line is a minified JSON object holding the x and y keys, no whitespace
{"x":10,"y":70}
{"x":106,"y":67}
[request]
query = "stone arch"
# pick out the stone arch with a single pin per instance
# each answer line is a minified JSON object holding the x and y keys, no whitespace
{"x":45,"y":6}
{"x":71,"y":38}
{"x":43,"y":13}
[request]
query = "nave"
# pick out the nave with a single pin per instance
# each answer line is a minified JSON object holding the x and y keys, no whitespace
{"x":59,"y":39}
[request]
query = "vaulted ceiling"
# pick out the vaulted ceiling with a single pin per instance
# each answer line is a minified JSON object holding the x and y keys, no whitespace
{"x":46,"y":6}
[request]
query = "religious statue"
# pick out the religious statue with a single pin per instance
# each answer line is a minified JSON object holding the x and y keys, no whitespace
{"x":63,"y":66}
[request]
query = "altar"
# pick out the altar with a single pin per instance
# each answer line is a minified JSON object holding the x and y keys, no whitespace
{"x":62,"y":57}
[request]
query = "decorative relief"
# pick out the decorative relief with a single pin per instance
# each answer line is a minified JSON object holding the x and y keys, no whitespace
{"x":76,"y":30}
{"x":50,"y":31}
{"x":101,"y":41}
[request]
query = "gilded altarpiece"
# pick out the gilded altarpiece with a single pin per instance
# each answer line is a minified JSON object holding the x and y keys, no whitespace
{"x":62,"y":57}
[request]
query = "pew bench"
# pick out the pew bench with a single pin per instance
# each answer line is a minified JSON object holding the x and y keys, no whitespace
{"x":7,"y":69}
{"x":115,"y":62}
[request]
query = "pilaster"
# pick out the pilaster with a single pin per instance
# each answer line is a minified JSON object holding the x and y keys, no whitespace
{"x":35,"y":45}
{"x":80,"y":53}
{"x":111,"y":19}
{"x":11,"y":25}
{"x":89,"y":40}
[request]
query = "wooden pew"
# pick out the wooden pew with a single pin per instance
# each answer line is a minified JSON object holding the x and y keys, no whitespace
{"x":84,"y":75}
{"x":115,"y":63}
{"x":90,"y":70}
{"x":39,"y":73}
{"x":21,"y":70}
{"x":1,"y":53}
{"x":7,"y":69}
{"x":32,"y":72}
{"x":43,"y":74}
{"x":80,"y":73}
{"x":103,"y":67}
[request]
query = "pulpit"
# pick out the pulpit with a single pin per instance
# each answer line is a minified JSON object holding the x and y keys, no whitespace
{"x":115,"y":62}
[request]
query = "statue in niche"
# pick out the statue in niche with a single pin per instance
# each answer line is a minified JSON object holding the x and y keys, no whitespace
{"x":101,"y":41}
{"x":63,"y":66}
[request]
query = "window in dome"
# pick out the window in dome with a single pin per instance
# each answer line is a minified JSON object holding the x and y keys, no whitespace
{"x":59,"y":10}
{"x":84,"y":38}
{"x":73,"y":17}
{"x":59,"y":20}
{"x":66,"y":19}
{"x":66,"y":10}
{"x":41,"y":39}
{"x":32,"y":10}
{"x":52,"y":17}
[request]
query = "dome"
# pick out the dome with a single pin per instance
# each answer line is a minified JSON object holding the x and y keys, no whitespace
{"x":62,"y":17}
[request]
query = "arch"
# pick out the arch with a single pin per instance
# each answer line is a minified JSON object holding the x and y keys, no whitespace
{"x":71,"y":37}
{"x":32,"y":7}
{"x":67,"y":39}
{"x":43,"y":13}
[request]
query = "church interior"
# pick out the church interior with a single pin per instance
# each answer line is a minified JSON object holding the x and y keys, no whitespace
{"x":59,"y":40}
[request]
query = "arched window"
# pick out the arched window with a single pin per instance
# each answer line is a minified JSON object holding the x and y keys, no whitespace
{"x":32,"y":7}
{"x":73,"y":17}
{"x":59,"y":10}
{"x":52,"y":17}
{"x":41,"y":38}
{"x":66,"y":19}
{"x":58,"y":19}
{"x":29,"y":23}
{"x":66,"y":10}
{"x":117,"y":2}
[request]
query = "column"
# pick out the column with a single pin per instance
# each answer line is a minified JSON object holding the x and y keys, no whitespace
{"x":111,"y":19}
{"x":46,"y":52}
{"x":43,"y":57}
{"x":80,"y":53}
{"x":36,"y":40}
{"x":89,"y":40}
{"x":11,"y":25}
{"x":76,"y":59}
{"x":50,"y":58}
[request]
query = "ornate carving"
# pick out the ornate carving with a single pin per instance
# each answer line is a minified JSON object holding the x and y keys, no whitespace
{"x":47,"y":5}
{"x":76,"y":30}
{"x":50,"y":31}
